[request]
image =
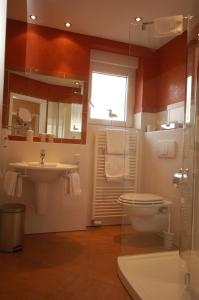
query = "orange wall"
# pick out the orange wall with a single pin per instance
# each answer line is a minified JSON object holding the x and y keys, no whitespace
{"x":161,"y":77}
{"x":146,"y":84}
{"x":38,"y":89}
{"x":150,"y":67}
{"x":172,"y":65}
{"x":139,"y":79}
{"x":46,"y":50}
{"x":49,"y":50}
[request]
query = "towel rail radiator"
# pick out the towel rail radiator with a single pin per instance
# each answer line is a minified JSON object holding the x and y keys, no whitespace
{"x":106,"y":193}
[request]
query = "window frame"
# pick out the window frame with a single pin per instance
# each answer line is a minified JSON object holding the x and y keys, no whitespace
{"x":117,"y":70}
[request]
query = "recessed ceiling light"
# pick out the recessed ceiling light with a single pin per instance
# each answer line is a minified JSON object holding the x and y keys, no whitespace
{"x":138,"y":19}
{"x":33,"y":17}
{"x":68,"y":24}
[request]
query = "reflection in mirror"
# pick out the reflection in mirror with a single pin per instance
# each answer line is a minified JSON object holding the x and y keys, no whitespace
{"x":64,"y":120}
{"x":26,"y":113}
{"x":45,"y":104}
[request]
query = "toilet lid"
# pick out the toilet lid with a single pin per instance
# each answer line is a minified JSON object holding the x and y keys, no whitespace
{"x":141,"y":198}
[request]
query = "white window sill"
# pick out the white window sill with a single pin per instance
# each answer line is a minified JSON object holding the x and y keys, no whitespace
{"x":107,"y":122}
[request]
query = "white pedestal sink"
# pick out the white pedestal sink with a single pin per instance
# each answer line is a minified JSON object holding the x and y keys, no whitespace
{"x":41,"y":176}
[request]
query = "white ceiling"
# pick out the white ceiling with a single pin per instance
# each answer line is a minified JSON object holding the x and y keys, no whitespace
{"x":109,"y":19}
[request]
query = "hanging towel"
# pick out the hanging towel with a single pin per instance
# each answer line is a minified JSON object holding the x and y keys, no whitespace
{"x":11,"y":183}
{"x":116,"y":167}
{"x":116,"y":142}
{"x":74,"y":184}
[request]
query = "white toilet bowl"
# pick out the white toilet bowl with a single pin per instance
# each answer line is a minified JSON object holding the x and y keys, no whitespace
{"x":147,"y":212}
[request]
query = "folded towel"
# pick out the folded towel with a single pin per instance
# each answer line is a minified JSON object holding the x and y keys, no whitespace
{"x":116,"y":167}
{"x":74,"y":184}
{"x":116,"y":142}
{"x":11,"y":183}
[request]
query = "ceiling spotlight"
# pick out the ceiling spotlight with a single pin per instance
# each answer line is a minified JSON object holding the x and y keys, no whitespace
{"x":138,"y":19}
{"x":33,"y":17}
{"x":68,"y":24}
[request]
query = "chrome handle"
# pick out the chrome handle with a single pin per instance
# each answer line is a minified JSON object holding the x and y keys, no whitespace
{"x":180,"y":176}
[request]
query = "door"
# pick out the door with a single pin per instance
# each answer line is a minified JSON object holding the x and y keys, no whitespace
{"x":189,"y":187}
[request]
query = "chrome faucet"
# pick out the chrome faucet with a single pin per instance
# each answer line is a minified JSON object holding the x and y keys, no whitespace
{"x":42,"y":156}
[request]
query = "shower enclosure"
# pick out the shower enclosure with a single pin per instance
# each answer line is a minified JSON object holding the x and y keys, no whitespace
{"x":175,"y":271}
{"x":189,"y":186}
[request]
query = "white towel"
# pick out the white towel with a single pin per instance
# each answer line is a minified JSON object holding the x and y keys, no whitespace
{"x":116,"y":142}
{"x":74,"y":184}
{"x":116,"y":167}
{"x":13,"y":184}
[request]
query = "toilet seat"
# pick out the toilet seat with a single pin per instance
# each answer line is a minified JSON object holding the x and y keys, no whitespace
{"x":141,"y":199}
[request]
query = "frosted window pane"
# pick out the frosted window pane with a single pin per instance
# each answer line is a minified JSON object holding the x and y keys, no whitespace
{"x":108,"y":93}
{"x":76,"y":117}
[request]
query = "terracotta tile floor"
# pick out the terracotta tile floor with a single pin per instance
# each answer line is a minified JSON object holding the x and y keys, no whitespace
{"x":71,"y":265}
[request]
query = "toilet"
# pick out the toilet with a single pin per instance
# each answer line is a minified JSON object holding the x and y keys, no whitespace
{"x":146,"y":212}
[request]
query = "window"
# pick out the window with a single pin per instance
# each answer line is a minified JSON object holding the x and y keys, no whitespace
{"x":112,"y":88}
{"x":109,"y":96}
{"x":76,"y":117}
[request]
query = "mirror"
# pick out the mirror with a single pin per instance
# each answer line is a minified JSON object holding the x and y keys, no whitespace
{"x":44,"y":104}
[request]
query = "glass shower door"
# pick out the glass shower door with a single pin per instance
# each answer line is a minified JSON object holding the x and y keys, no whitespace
{"x":189,"y":188}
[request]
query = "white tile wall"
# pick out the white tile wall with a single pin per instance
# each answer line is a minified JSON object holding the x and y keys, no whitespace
{"x":63,"y":214}
{"x":142,"y":119}
{"x":174,"y":112}
{"x":137,"y":120}
{"x":157,"y":173}
{"x":75,"y":214}
{"x":161,"y":118}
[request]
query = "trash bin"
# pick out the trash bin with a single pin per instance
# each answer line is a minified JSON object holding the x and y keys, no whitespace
{"x":11,"y":227}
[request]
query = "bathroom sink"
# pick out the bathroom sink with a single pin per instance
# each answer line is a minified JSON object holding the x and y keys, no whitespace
{"x":45,"y":173}
{"x":38,"y":164}
{"x":51,"y":166}
{"x":42,"y":175}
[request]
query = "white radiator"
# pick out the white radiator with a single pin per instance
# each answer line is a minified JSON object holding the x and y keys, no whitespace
{"x":106,"y":193}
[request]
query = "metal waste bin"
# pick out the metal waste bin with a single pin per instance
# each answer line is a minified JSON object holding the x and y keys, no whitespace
{"x":11,"y":227}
